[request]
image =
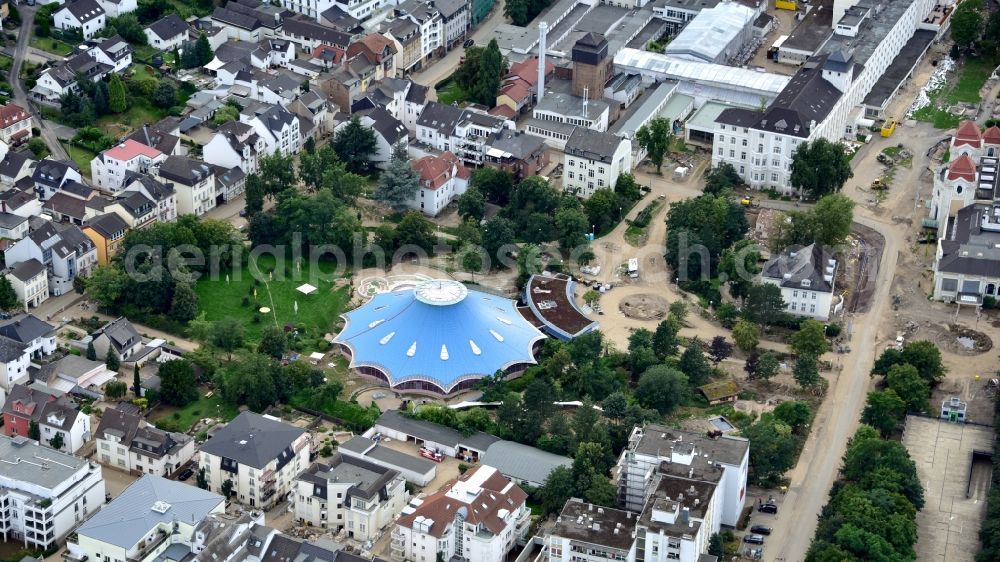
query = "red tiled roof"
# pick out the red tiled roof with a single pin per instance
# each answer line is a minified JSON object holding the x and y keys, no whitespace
{"x":527,"y":70}
{"x":12,"y":113}
{"x":504,"y":111}
{"x":962,"y":168}
{"x":992,"y":135}
{"x":968,"y":133}
{"x":435,"y":171}
{"x":131,"y":149}
{"x":517,"y":90}
{"x":374,"y":44}
{"x":19,"y":134}
{"x":338,"y":53}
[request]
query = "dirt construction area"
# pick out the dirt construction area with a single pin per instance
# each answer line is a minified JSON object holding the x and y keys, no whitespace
{"x":955,"y":486}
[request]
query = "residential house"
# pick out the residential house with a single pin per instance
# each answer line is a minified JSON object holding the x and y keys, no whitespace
{"x":160,"y":193}
{"x":337,"y":18}
{"x":364,"y":10}
{"x":806,"y":277}
{"x":349,"y":494}
{"x":480,"y":516}
{"x":36,"y":335}
{"x":108,"y":168}
{"x":405,"y":35}
{"x":517,"y":152}
{"x":30,"y":282}
{"x":192,"y":181}
{"x":314,"y":107}
{"x":107,"y":231}
{"x":380,"y":50}
{"x":21,"y":203}
{"x":126,"y":442}
{"x":277,"y":127}
{"x":50,"y":176}
{"x":13,"y":227}
{"x":462,"y":131}
{"x":137,"y":210}
{"x":62,"y":248}
{"x":120,"y":335}
{"x":515,"y":94}
{"x":87,"y":16}
{"x":161,"y":136}
{"x":112,"y":51}
{"x":13,"y":167}
{"x":14,"y":363}
{"x":55,"y":415}
{"x":309,"y":35}
{"x":454,"y":19}
{"x":15,"y":124}
{"x":149,"y":518}
{"x":442,"y":179}
{"x":44,"y":506}
{"x":115,"y":8}
{"x":75,"y":374}
{"x":429,"y":19}
{"x":239,"y":25}
{"x":310,"y":8}
{"x":260,"y":455}
{"x":229,"y":182}
{"x":56,"y":81}
{"x":388,"y":130}
{"x":594,"y":160}
{"x":168,"y":33}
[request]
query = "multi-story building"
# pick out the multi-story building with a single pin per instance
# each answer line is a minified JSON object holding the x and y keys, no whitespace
{"x":405,"y":34}
{"x":47,"y":493}
{"x":590,"y":533}
{"x":442,"y":179}
{"x":259,"y":455}
{"x":15,"y":124}
{"x":429,"y":20}
{"x":478,"y":517}
{"x":30,"y":282}
{"x":51,"y":175}
{"x":58,"y":419}
{"x":806,"y":277}
{"x":517,"y":152}
{"x":823,"y":100}
{"x":464,"y":132}
{"x":108,"y":168}
{"x":36,"y":335}
{"x":679,"y":518}
{"x":168,"y":33}
{"x":656,"y":449}
{"x":161,"y":193}
{"x":594,"y":160}
{"x":349,"y":494}
{"x":126,"y":442}
{"x":114,"y":52}
{"x":119,"y":334}
{"x":107,"y":232}
{"x":64,"y":249}
{"x":150,"y":516}
{"x":87,"y":16}
{"x":235,"y":144}
{"x":193,"y":183}
{"x":278,"y":127}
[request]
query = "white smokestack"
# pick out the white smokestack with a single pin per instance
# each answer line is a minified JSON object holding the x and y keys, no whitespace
{"x":543,"y":29}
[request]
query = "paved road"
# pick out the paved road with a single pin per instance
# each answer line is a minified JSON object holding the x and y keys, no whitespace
{"x":20,"y":95}
{"x":445,"y":67}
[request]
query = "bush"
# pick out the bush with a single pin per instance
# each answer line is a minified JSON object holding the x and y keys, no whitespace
{"x":833,"y":330}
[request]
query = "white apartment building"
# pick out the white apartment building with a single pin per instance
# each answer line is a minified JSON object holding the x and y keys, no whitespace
{"x":349,"y":494}
{"x":478,"y":517}
{"x":442,"y":179}
{"x":593,"y":160}
{"x":47,"y":493}
{"x":38,"y":336}
{"x":278,"y":128}
{"x":431,"y":23}
{"x":30,"y":282}
{"x":806,"y":277}
{"x":235,"y":145}
{"x":126,"y":442}
{"x":311,"y":8}
{"x":108,"y":168}
{"x":192,"y":181}
{"x":823,"y":99}
{"x":584,"y":531}
{"x":260,"y":455}
{"x":163,"y":194}
{"x":85,"y":15}
{"x":655,"y":449}
{"x":146,"y":519}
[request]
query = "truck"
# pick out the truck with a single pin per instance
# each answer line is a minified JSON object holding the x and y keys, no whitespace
{"x":633,"y":268}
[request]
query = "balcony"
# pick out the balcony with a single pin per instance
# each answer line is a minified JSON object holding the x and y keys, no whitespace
{"x":151,"y":545}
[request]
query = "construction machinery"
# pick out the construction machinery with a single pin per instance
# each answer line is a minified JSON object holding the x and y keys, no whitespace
{"x":888,"y":128}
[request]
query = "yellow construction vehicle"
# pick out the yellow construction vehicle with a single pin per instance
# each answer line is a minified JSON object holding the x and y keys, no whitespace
{"x":889,"y":128}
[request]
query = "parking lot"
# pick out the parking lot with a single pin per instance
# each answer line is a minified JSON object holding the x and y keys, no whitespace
{"x":446,"y":469}
{"x":948,"y":525}
{"x":755,"y":498}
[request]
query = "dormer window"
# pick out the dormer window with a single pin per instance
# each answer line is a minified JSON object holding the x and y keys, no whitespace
{"x":806,"y":282}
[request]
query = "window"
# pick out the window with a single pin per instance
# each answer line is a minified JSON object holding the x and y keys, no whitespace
{"x":774,"y":177}
{"x":795,"y":294}
{"x":792,"y":306}
{"x":732,"y":153}
{"x":743,"y":156}
{"x":744,"y":142}
{"x":571,"y":175}
{"x":777,"y":150}
{"x":722,"y":138}
{"x":720,"y":151}
{"x":760,"y":148}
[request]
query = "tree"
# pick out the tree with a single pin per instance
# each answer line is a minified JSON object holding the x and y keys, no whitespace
{"x":615,"y":406}
{"x":178,"y":383}
{"x":810,"y":339}
{"x":111,"y":360}
{"x":399,"y":183}
{"x":806,"y":371}
{"x":203,"y":50}
{"x":184,"y":306}
{"x":884,"y":410}
{"x":766,"y":366}
{"x":497,"y":233}
{"x":91,"y":352}
{"x":719,"y":349}
{"x":228,"y":335}
{"x":627,"y":188}
{"x":654,"y":138}
{"x":746,"y":335}
{"x":571,"y":227}
{"x":820,"y":167}
{"x":558,"y":487}
{"x":774,"y":450}
{"x":8,"y":296}
{"x":662,"y":388}
{"x":966,"y":23}
{"x":489,"y":74}
{"x":57,"y":441}
{"x":165,"y":95}
{"x":355,"y":144}
{"x":115,"y":390}
{"x":472,"y":262}
{"x":496,"y":185}
{"x":764,"y":304}
{"x":472,"y":203}
{"x":416,"y":230}
{"x":272,"y":342}
{"x":679,"y":310}
{"x":201,"y":480}
{"x":117,"y":101}
{"x":738,"y":267}
{"x":602,"y":208}
{"x":926,"y":357}
{"x":127,"y":26}
{"x":828,"y":223}
{"x":665,"y":338}
{"x":255,"y":380}
{"x":38,"y":148}
{"x":33,"y":431}
{"x":906,"y":382}
{"x":715,"y":546}
{"x":254,"y":195}
{"x":694,"y":365}
{"x":227,"y":486}
{"x":795,"y":413}
{"x":721,"y":178}
{"x":136,"y":381}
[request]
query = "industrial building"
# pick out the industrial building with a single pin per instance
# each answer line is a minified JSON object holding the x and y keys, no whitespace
{"x":715,"y":35}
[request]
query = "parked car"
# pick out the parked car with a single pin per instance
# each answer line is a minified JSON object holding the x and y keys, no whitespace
{"x":768,"y":508}
{"x":185,"y":474}
{"x":468,"y":43}
{"x":753,"y":539}
{"x":760,"y":530}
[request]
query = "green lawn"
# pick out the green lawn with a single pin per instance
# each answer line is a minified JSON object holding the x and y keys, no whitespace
{"x":318,"y":311}
{"x":136,"y":116}
{"x":81,"y":156}
{"x":50,"y":45}
{"x":971,"y":78}
{"x":184,"y":418}
{"x":450,"y":92}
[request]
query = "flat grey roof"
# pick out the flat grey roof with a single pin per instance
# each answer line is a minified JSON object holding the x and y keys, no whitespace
{"x":131,"y":515}
{"x":27,"y":461}
{"x":523,"y":462}
{"x":391,"y":457}
{"x":899,"y":69}
{"x":704,"y":118}
{"x":814,"y":29}
{"x":428,"y":431}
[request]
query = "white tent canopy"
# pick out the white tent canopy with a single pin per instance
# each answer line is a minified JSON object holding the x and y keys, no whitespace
{"x":306,"y":289}
{"x":315,"y":356}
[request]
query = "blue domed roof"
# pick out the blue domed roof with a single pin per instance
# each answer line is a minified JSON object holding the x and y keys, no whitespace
{"x":439,"y":331}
